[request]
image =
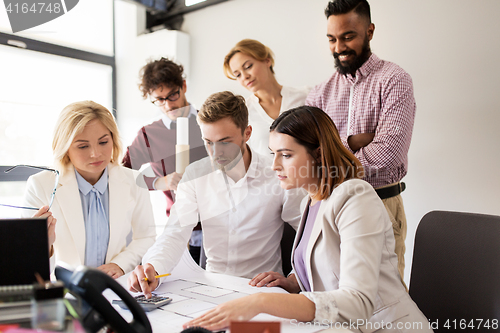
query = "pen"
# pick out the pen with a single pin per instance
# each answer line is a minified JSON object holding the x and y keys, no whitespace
{"x":156,"y":277}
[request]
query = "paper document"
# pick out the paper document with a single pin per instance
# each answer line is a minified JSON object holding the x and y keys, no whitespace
{"x":195,"y":291}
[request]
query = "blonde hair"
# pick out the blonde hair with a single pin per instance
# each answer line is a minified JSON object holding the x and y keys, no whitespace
{"x":251,"y":47}
{"x":71,"y":122}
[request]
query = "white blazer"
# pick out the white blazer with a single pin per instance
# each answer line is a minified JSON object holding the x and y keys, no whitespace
{"x":352,"y":267}
{"x":129,"y":210}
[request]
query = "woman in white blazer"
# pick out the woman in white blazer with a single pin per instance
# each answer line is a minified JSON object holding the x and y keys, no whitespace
{"x":86,"y":147}
{"x":251,"y":63}
{"x":345,"y":268}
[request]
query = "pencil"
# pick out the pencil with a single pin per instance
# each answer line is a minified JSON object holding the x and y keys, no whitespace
{"x":156,"y":277}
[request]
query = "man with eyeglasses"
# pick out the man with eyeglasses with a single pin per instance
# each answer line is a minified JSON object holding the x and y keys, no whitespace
{"x":163,"y":83}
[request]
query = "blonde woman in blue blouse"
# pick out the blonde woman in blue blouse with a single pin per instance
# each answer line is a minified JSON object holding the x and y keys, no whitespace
{"x":98,"y":203}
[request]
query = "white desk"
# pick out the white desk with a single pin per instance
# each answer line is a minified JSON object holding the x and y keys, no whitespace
{"x":194,"y":291}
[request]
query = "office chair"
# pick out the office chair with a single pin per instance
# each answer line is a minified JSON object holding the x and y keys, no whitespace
{"x":455,"y":274}
{"x":286,"y":248}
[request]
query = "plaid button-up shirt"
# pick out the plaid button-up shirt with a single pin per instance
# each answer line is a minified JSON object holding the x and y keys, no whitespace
{"x":379,"y":99}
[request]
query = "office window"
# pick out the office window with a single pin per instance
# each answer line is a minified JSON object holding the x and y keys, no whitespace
{"x":39,"y":86}
{"x":192,"y":2}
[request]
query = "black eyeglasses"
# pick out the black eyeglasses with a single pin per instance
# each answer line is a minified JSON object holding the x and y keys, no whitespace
{"x":171,"y":97}
{"x":40,"y":168}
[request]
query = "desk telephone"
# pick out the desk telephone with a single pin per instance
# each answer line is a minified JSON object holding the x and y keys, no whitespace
{"x":87,"y":284}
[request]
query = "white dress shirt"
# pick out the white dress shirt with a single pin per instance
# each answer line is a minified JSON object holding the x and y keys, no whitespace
{"x":260,"y":120}
{"x":242,"y":221}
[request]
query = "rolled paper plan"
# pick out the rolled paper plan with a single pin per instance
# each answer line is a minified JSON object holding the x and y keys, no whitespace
{"x":182,"y":146}
{"x":182,"y":131}
{"x":181,"y":158}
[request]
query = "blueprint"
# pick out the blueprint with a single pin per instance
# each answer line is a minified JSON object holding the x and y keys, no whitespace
{"x":195,"y":291}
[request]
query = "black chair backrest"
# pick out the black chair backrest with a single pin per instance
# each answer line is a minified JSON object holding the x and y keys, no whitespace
{"x":455,"y":274}
{"x":286,"y":248}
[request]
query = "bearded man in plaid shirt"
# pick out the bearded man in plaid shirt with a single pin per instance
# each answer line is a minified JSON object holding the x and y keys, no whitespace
{"x":372,"y":104}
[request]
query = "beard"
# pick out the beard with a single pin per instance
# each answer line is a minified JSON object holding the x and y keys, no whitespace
{"x":358,"y":61}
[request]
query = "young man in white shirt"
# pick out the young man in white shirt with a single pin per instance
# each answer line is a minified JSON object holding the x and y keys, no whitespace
{"x":238,"y":197}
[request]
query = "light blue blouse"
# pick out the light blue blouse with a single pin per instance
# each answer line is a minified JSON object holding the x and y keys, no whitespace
{"x":96,"y":217}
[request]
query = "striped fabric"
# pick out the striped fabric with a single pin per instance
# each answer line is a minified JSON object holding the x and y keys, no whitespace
{"x":379,"y":99}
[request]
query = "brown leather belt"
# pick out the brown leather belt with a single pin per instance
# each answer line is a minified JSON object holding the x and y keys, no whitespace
{"x":391,"y":191}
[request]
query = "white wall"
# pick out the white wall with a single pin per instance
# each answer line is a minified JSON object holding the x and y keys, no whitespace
{"x":294,"y":29}
{"x":132,"y":52}
{"x":447,"y":46}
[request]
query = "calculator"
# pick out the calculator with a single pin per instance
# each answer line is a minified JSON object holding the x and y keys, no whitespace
{"x":147,"y":304}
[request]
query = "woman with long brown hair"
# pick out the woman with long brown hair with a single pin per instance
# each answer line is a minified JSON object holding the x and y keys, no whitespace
{"x":345,"y":269}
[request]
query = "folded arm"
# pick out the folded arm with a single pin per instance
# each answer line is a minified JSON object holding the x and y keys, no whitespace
{"x":387,"y":148}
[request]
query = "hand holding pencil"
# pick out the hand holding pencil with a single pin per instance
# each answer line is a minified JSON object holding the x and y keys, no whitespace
{"x":145,"y":279}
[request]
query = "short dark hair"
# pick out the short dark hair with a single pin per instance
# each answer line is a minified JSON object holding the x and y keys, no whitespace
{"x":337,"y":7}
{"x":222,"y":105}
{"x":163,"y":72}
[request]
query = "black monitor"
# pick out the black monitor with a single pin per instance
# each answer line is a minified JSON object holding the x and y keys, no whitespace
{"x":24,"y":250}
